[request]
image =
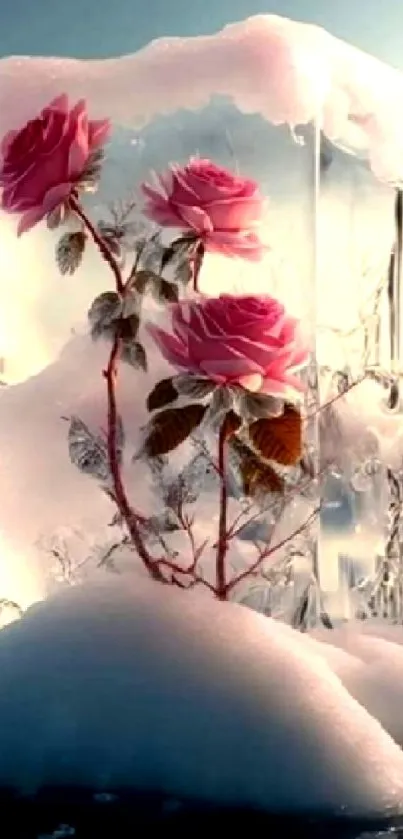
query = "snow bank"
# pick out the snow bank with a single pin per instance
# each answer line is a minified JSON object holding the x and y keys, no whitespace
{"x":289,"y":72}
{"x":128,"y":683}
{"x":369,"y":660}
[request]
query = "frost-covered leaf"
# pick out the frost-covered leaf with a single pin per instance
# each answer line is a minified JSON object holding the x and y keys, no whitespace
{"x":165,"y":522}
{"x":279,"y":438}
{"x":119,"y":237}
{"x":69,"y":251}
{"x":142,"y":281}
{"x":133,"y":353}
{"x":257,"y":477}
{"x":253,"y":406}
{"x":163,"y":393}
{"x":152,"y":253}
{"x":89,"y":452}
{"x":127,"y":329}
{"x":169,"y":428}
{"x":57,"y":217}
{"x":178,"y":250}
{"x":103,"y":314}
{"x":164,"y":291}
{"x":221,"y":403}
{"x":195,"y":387}
{"x":131,"y":303}
{"x":231,"y":424}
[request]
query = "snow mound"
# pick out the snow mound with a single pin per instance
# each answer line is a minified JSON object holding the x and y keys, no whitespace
{"x":368,"y":659}
{"x":127,"y":683}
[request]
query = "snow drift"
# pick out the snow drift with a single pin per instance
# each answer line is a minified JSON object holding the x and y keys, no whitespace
{"x":128,"y":683}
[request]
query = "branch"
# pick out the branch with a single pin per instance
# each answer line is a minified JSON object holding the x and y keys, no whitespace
{"x":270,"y":550}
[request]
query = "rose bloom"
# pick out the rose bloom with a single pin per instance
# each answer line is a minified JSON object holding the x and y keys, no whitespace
{"x":248,"y":341}
{"x":42,"y":163}
{"x":220,"y":208}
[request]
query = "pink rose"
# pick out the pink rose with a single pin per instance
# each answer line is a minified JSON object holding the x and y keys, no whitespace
{"x":43,"y":162}
{"x":222,"y":209}
{"x":248,"y":341}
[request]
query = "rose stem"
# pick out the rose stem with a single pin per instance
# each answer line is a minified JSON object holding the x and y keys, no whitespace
{"x":196,"y":262}
{"x":222,"y":544}
{"x":129,"y":516}
{"x":99,"y":242}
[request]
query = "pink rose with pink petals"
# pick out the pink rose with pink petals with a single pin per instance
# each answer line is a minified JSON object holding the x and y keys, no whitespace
{"x":248,"y":341}
{"x":43,"y":162}
{"x":223,"y":210}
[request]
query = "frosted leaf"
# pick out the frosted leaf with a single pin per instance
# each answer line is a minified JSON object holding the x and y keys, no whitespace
{"x":199,"y":475}
{"x":178,"y":251}
{"x":165,"y":522}
{"x":89,"y":451}
{"x":57,"y":217}
{"x":221,"y":403}
{"x":133,"y":353}
{"x":195,"y":387}
{"x":252,"y":406}
{"x":164,"y":291}
{"x":103,"y":313}
{"x":69,"y":251}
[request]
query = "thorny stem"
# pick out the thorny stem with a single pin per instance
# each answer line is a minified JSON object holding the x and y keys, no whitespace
{"x":105,"y":252}
{"x":222,"y":544}
{"x":128,"y":514}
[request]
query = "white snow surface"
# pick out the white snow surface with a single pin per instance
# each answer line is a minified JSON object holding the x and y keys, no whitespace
{"x":289,"y":72}
{"x":130,"y":683}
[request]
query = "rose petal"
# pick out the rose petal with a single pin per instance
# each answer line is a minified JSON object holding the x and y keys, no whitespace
{"x":162,"y":215}
{"x":283,"y":385}
{"x":29,"y":220}
{"x":195,"y":218}
{"x":6,"y":141}
{"x":98,"y":132}
{"x":231,"y":370}
{"x":253,"y":383}
{"x":237,"y":214}
{"x":60,"y":103}
{"x":79,"y":148}
{"x":169,"y":346}
{"x":235,"y":244}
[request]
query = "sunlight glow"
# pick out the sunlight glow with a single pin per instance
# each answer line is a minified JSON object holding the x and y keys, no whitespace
{"x":20,"y":279}
{"x":18,"y":584}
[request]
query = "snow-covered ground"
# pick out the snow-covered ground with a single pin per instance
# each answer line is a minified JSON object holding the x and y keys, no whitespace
{"x":128,"y":683}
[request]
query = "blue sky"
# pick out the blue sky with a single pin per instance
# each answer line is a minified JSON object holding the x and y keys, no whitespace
{"x":92,"y":28}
